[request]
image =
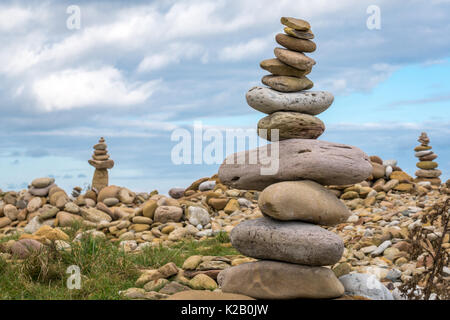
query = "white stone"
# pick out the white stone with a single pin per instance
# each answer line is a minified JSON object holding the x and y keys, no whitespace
{"x":269,"y":101}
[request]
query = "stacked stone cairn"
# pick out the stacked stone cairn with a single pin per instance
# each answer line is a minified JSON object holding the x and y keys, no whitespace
{"x":101,"y":162}
{"x":293,"y":249}
{"x":427,"y":168}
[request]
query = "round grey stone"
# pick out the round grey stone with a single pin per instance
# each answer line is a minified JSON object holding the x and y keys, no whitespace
{"x":291,"y":241}
{"x":269,"y":101}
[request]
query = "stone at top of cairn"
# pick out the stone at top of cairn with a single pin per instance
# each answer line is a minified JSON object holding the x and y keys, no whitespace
{"x":423,"y":139}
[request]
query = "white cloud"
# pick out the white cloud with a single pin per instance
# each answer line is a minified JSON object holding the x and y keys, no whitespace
{"x":170,"y":55}
{"x":244,"y":50}
{"x":75,"y":88}
{"x":13,"y":17}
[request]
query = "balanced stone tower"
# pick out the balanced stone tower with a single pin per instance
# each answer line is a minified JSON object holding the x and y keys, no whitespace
{"x":101,"y":162}
{"x":293,"y":249}
{"x":427,"y":168}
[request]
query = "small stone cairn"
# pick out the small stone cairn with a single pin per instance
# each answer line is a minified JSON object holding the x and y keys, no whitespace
{"x":427,"y":168}
{"x":293,"y":249}
{"x":101,"y":162}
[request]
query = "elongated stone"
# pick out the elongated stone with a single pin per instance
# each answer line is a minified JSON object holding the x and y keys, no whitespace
{"x":269,"y":101}
{"x":297,"y":24}
{"x":280,"y":280}
{"x":294,"y":59}
{"x":290,"y":125}
{"x":287,"y":241}
{"x":302,"y":200}
{"x":426,"y":165}
{"x":297,"y":159}
{"x":434,"y":173}
{"x":287,"y":84}
{"x":291,"y":43}
{"x":307,"y":35}
{"x":278,"y":68}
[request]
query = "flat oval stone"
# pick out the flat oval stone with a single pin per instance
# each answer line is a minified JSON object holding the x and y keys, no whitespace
{"x":297,"y":24}
{"x":42,"y":182}
{"x":100,"y":146}
{"x":429,"y":157}
{"x":426,"y":165}
{"x":434,"y":173}
{"x":423,"y":153}
{"x":299,"y":34}
{"x":298,"y":159}
{"x":280,"y":280}
{"x":302,"y":200}
{"x":269,"y":101}
{"x":276,"y":67}
{"x":291,"y":125}
{"x":287,"y":241}
{"x":294,"y":59}
{"x":105,"y":164}
{"x":291,"y":43}
{"x":287,"y":84}
{"x":422,"y":148}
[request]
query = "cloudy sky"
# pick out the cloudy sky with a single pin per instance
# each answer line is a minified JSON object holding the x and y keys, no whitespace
{"x":137,"y":70}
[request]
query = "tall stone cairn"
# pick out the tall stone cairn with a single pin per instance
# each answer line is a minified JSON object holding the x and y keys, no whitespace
{"x":292,"y":248}
{"x":427,"y":167}
{"x":101,"y":162}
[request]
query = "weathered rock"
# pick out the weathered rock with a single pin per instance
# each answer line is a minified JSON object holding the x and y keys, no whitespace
{"x":174,"y":287}
{"x":65,"y":219}
{"x":295,"y":44}
{"x":290,"y":125}
{"x":42,"y":182}
{"x":269,"y":101}
{"x":378,"y":170}
{"x":203,"y":282}
{"x":4,"y":221}
{"x":25,"y":247}
{"x":278,"y":68}
{"x":41,"y":192}
{"x":297,"y":24}
{"x":299,"y":159}
{"x":108,"y":192}
{"x":148,"y":210}
{"x":302,"y":200}
{"x":433,"y":173}
{"x":164,"y":214}
{"x":294,"y":242}
{"x":280,"y":280}
{"x":231,"y":206}
{"x":10,"y":212}
{"x":366,"y":285}
{"x":126,"y":196}
{"x":176,"y":193}
{"x":198,"y":215}
{"x":287,"y":84}
{"x":95,"y":215}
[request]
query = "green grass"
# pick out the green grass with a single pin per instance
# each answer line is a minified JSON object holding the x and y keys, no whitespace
{"x":105,"y":269}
